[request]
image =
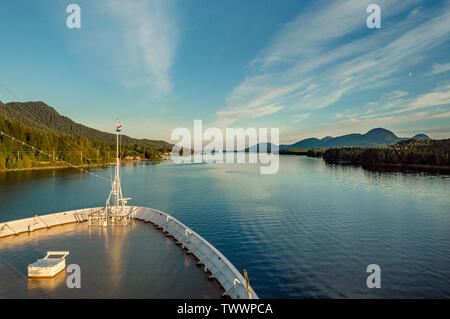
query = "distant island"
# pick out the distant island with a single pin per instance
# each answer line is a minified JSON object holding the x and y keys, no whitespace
{"x":56,"y":140}
{"x":378,"y":147}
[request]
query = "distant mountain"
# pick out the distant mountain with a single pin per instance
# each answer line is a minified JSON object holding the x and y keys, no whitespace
{"x":421,"y":137}
{"x":40,"y":115}
{"x":327,"y":138}
{"x":375,"y":137}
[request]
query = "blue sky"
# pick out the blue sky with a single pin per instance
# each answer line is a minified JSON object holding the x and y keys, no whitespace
{"x":310,"y":68}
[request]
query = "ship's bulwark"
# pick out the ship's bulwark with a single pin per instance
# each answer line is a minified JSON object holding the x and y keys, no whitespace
{"x":215,"y":265}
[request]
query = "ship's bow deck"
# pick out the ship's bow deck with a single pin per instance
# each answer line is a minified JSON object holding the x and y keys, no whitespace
{"x":136,"y":261}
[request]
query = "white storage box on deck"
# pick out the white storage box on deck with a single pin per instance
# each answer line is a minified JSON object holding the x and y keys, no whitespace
{"x":49,"y":266}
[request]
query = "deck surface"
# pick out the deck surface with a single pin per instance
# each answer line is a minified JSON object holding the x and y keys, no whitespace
{"x":137,"y":261}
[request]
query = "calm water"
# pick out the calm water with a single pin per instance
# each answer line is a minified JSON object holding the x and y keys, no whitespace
{"x":308,"y":231}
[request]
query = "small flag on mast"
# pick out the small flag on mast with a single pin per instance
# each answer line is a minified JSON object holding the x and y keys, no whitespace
{"x":118,"y":126}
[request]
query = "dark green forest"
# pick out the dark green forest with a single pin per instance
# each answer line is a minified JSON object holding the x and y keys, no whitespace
{"x":41,"y":116}
{"x":76,"y":150}
{"x":410,"y":152}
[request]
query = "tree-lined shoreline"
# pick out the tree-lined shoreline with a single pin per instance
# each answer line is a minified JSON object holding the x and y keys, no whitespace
{"x":413,"y":153}
{"x":26,"y":148}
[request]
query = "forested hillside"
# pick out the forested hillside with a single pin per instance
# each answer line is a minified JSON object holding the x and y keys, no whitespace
{"x":76,"y":150}
{"x":40,"y":115}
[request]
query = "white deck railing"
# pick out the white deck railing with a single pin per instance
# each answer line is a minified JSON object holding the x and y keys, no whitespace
{"x":212,"y":259}
{"x":26,"y":225}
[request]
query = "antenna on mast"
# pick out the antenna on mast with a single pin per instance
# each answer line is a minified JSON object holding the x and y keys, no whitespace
{"x":114,"y":213}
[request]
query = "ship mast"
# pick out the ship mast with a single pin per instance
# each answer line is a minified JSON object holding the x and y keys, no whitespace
{"x":114,"y":213}
{"x":116,"y":189}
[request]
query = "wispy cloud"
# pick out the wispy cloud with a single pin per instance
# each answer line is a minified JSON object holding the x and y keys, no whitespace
{"x":301,"y":117}
{"x":150,"y":35}
{"x":439,"y":68}
{"x":419,"y":107}
{"x":327,"y":52}
{"x":228,"y":117}
{"x":389,"y":120}
{"x":134,"y":40}
{"x":396,"y":94}
{"x":440,"y":96}
{"x":260,"y":102}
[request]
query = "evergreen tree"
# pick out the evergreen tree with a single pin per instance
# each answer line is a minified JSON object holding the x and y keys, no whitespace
{"x":2,"y":163}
